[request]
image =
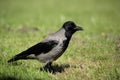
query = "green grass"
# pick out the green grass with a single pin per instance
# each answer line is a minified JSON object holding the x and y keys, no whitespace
{"x":93,"y":54}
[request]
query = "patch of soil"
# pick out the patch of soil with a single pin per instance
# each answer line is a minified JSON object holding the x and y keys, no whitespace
{"x":28,"y":29}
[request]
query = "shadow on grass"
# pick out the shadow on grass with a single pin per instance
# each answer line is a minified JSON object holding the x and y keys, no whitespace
{"x":8,"y":78}
{"x":14,"y":78}
{"x":58,"y":68}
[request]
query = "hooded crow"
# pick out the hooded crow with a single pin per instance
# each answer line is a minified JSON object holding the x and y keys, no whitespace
{"x":50,"y":48}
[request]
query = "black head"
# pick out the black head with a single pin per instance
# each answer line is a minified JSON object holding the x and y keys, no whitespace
{"x":71,"y":27}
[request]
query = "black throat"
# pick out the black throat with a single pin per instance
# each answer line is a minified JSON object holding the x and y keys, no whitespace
{"x":68,"y":35}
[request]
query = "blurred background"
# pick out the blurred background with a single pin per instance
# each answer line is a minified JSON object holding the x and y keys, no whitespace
{"x":92,"y":54}
{"x":102,"y":15}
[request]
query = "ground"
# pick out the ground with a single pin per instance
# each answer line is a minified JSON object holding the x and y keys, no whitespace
{"x":93,"y":54}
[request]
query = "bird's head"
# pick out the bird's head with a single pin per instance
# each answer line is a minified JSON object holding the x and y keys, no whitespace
{"x":71,"y":27}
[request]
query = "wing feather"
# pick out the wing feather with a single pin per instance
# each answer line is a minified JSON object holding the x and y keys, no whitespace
{"x":42,"y":47}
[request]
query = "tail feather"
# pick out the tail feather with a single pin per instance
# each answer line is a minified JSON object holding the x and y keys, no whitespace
{"x":18,"y":57}
{"x":12,"y":60}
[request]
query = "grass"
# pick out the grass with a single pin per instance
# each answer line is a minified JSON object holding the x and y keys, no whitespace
{"x":93,"y":54}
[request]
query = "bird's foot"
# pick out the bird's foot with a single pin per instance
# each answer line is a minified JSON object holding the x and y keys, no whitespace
{"x":48,"y":68}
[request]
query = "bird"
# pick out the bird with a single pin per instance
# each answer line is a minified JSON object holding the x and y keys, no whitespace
{"x":51,"y":48}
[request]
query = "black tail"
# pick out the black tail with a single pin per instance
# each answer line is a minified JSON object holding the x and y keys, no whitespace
{"x":22,"y":55}
{"x":12,"y":60}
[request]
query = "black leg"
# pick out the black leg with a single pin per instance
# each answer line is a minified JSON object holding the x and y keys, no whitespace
{"x":49,"y":68}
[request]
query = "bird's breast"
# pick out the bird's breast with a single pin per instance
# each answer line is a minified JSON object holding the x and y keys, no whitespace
{"x":59,"y":49}
{"x":56,"y":52}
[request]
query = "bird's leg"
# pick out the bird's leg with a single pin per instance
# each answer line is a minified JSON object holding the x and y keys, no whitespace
{"x":48,"y":67}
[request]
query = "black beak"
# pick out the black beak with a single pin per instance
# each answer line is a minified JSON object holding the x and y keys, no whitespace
{"x":78,"y":28}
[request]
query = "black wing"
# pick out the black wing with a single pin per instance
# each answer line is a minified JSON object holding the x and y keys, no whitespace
{"x":42,"y":47}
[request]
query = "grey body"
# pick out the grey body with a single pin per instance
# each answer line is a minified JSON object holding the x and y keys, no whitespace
{"x":56,"y":51}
